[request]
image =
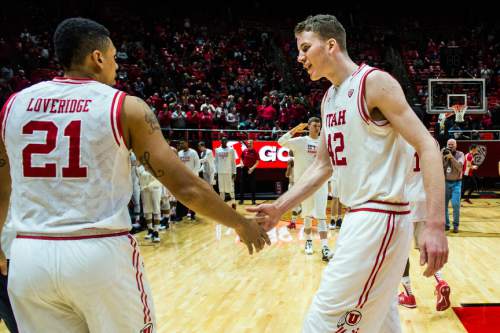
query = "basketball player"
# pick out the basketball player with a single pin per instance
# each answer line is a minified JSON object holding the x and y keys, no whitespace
{"x":64,"y":166}
{"x":336,"y":206}
{"x":416,"y":195}
{"x":291,"y":179}
{"x":151,"y":193}
{"x":190,"y":158}
{"x":304,"y":151}
{"x":225,"y":170}
{"x":207,"y":163}
{"x":365,"y":118}
{"x":136,"y":192}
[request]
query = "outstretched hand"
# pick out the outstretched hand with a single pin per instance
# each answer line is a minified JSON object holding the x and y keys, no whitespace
{"x":253,"y":235}
{"x":268,"y":215}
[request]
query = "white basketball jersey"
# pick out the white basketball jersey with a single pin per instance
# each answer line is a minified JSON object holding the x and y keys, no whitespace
{"x":190,"y":159}
{"x":304,"y":151}
{"x":369,"y":155}
{"x":69,"y":165}
{"x":414,"y":181}
{"x":225,"y":161}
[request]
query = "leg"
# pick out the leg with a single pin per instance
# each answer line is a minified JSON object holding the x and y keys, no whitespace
{"x":118,"y":281}
{"x":156,"y":196}
{"x":455,"y":202}
{"x":392,"y":323}
{"x":447,"y":202}
{"x":147,"y":208}
{"x":308,"y":234}
{"x":242,"y":179}
{"x":252,"y":182}
{"x":358,"y":297}
{"x":39,"y":304}
{"x":5,"y":307}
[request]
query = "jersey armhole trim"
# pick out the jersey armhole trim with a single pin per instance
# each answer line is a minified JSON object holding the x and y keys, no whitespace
{"x":112,"y":118}
{"x":117,"y":117}
{"x":362,"y":107}
{"x":4,"y":114}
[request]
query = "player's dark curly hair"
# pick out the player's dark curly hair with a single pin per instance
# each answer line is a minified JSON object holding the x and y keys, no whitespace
{"x":76,"y":37}
{"x":326,"y":26}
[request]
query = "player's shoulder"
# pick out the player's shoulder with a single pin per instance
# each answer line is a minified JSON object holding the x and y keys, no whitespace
{"x":33,"y":89}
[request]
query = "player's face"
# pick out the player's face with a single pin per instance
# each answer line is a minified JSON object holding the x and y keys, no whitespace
{"x":109,"y":65}
{"x":313,"y":52}
{"x":314,"y":128}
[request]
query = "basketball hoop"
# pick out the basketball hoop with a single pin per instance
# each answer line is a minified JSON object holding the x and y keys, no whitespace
{"x":459,"y":111}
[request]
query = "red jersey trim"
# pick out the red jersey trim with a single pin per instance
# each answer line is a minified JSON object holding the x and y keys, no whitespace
{"x":376,"y":210}
{"x":63,"y":238}
{"x":112,"y":118}
{"x":72,"y":80}
{"x":4,"y":114}
{"x":358,"y":70}
{"x":361,"y":96}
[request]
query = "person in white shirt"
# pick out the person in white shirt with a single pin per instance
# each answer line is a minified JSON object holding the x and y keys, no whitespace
{"x":151,"y":192}
{"x":225,"y":168}
{"x":190,"y":158}
{"x":304,"y":151}
{"x":289,"y":174}
{"x":207,"y":163}
{"x":136,"y":192}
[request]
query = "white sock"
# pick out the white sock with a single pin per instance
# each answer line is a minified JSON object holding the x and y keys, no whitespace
{"x":438,"y":276}
{"x":324,"y":242}
{"x":157,"y":227}
{"x":150,"y":225}
{"x":294,"y":218}
{"x":309,"y":236}
{"x":407,"y":284}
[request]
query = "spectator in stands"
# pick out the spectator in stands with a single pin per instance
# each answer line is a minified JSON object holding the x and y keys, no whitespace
{"x":453,"y":161}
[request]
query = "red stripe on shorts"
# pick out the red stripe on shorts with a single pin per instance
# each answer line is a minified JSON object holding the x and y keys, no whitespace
{"x":383,"y":258}
{"x":374,"y":266}
{"x":138,"y":279}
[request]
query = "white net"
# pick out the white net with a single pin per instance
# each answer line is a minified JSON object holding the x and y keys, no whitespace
{"x":459,"y":111}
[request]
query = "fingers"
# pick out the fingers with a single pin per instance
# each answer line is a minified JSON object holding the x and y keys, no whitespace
{"x":253,"y":209}
{"x":250,"y":248}
{"x":266,"y":237}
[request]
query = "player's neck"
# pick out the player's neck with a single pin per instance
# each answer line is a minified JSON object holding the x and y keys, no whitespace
{"x":78,"y":73}
{"x":344,"y":67}
{"x":314,"y":137}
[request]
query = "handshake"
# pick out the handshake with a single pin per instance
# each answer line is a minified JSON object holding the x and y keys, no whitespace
{"x":253,"y":230}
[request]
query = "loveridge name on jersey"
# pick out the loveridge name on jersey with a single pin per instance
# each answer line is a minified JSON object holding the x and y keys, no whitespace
{"x":56,"y":105}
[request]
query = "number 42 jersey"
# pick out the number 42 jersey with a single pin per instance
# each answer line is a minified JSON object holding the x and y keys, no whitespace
{"x":369,"y":156}
{"x":69,"y":165}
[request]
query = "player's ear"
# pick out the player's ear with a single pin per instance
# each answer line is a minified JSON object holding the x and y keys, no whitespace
{"x":331,"y":43}
{"x":97,"y":58}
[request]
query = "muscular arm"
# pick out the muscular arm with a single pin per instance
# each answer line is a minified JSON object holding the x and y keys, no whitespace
{"x":142,"y":133}
{"x":384,"y":93}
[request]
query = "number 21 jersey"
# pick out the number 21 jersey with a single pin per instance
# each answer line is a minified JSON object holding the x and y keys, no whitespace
{"x":69,"y":165}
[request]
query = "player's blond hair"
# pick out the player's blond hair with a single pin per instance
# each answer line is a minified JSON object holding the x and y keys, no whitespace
{"x":326,"y":26}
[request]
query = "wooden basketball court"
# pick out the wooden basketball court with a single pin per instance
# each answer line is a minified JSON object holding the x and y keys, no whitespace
{"x":204,"y":281}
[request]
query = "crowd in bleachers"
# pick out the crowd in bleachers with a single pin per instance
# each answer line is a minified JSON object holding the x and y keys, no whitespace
{"x":206,"y":76}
